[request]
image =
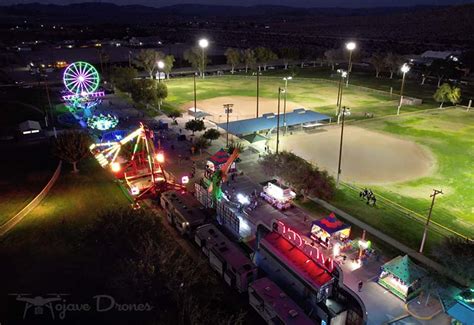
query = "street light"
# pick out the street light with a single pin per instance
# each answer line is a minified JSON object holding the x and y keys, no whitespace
{"x":227,"y":110}
{"x":284,"y":100}
{"x":350,"y":47}
{"x":280,"y":90}
{"x":344,"y":110}
{"x":195,"y":96}
{"x":339,"y":93}
{"x":203,"y":43}
{"x":160,"y":65}
{"x":405,"y":68}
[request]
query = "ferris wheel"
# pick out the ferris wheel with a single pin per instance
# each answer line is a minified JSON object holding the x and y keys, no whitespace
{"x":81,"y":78}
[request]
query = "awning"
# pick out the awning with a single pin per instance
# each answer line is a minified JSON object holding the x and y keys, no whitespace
{"x":330,"y":224}
{"x":220,"y":157}
{"x":403,"y":268}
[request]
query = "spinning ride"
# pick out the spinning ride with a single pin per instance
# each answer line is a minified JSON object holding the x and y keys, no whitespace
{"x":140,"y":166}
{"x":215,"y":180}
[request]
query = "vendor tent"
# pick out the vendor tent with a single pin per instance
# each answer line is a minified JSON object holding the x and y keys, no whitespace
{"x":219,"y":158}
{"x":330,"y":224}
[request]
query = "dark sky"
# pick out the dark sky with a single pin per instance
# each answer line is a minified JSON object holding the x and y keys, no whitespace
{"x":295,"y":3}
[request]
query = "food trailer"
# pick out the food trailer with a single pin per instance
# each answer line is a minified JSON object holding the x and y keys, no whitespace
{"x":278,"y":195}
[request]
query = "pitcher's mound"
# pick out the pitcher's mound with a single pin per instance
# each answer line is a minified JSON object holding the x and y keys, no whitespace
{"x":368,"y":157}
{"x":244,"y":107}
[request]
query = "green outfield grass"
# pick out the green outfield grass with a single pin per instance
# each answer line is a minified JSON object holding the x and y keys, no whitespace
{"x":317,"y":94}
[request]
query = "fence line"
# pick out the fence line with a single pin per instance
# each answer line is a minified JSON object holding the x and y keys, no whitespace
{"x":13,"y":221}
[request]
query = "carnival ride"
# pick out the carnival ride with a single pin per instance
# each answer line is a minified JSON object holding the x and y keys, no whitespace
{"x":214,"y":182}
{"x":81,"y":95}
{"x":140,"y":168}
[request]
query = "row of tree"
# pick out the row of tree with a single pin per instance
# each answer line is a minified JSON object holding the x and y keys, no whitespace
{"x":305,"y":178}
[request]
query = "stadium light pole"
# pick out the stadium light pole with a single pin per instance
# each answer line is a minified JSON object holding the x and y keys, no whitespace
{"x":280,"y":90}
{"x":258,"y":88}
{"x":343,"y":112}
{"x":405,"y":68}
{"x":350,"y":47}
{"x":203,"y":44}
{"x":425,"y":232}
{"x":195,"y":96}
{"x":160,"y":64}
{"x":227,"y":110}
{"x":284,"y":101}
{"x":339,"y":93}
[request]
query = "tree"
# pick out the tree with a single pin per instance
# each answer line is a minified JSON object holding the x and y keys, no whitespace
{"x":147,"y":60}
{"x":195,"y":125}
{"x":233,"y":58}
{"x":201,"y":143}
{"x":457,"y":255}
{"x":264,"y":56}
{"x":331,"y":57}
{"x":123,"y":77}
{"x":169,"y":62}
{"x":378,"y":62}
{"x":161,"y":92}
{"x":248,"y":57}
{"x":306,"y":179}
{"x":144,"y":91}
{"x":393,"y":62}
{"x":455,"y":95}
{"x":443,"y":69}
{"x":425,"y":73}
{"x":72,"y":146}
{"x":174,"y":114}
{"x":197,"y":58}
{"x":235,"y":145}
{"x":289,"y":54}
{"x":442,"y":94}
{"x":212,"y":134}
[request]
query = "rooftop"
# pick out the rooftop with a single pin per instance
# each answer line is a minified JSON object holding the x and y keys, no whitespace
{"x":286,"y":309}
{"x":296,"y":260}
{"x":186,"y":205}
{"x":269,"y":121}
{"x":403,"y":268}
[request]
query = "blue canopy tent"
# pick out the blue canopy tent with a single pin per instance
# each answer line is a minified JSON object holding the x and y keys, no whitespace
{"x":328,"y":227}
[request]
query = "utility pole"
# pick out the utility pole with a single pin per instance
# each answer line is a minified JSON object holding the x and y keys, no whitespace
{"x":425,"y":232}
{"x":280,"y":90}
{"x":49,"y":103}
{"x":258,"y":86}
{"x":227,"y":110}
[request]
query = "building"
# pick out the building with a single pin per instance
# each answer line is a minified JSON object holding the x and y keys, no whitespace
{"x":226,"y":257}
{"x":274,"y":305}
{"x":29,"y":128}
{"x":183,"y":211}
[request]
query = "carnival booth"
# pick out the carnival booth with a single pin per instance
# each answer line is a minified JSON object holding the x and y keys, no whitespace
{"x":329,"y":230}
{"x":278,"y":195}
{"x":402,"y":277}
{"x":217,"y":160}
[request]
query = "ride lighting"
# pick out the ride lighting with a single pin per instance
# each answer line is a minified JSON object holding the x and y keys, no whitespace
{"x":336,"y":250}
{"x":115,"y":167}
{"x":185,"y":180}
{"x":135,"y":190}
{"x":160,"y":157}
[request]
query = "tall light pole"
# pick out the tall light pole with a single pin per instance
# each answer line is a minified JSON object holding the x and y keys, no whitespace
{"x":195,"y":97}
{"x":350,"y":47}
{"x":339,"y":92}
{"x":160,"y":65}
{"x":280,"y":90}
{"x":227,"y":110}
{"x":203,"y":44}
{"x":284,"y":100}
{"x":405,"y":68}
{"x":258,"y":88}
{"x":343,"y":112}
{"x":425,"y":232}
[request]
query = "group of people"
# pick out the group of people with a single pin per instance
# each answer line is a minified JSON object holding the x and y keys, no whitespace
{"x":368,"y":195}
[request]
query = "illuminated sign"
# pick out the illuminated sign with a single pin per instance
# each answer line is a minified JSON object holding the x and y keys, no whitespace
{"x":304,"y":244}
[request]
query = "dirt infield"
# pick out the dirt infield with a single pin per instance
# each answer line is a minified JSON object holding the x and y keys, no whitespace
{"x":368,"y":157}
{"x":244,"y":107}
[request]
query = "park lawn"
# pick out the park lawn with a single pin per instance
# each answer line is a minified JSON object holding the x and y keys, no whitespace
{"x":448,"y":135}
{"x":74,"y":201}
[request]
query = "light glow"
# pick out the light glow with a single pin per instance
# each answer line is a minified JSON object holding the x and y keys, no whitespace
{"x":185,"y":180}
{"x":135,"y":190}
{"x":243,"y":199}
{"x":351,"y":46}
{"x":160,"y":157}
{"x":160,"y":64}
{"x":405,"y":68}
{"x":115,"y":167}
{"x":203,"y":43}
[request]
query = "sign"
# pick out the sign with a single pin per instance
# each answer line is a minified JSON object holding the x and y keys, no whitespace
{"x":305,"y":245}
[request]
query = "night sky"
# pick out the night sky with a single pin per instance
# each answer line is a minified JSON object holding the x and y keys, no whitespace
{"x":295,"y":3}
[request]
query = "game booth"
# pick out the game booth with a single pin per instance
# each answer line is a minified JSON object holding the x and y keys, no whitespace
{"x":278,"y":195}
{"x":329,"y":230}
{"x":217,"y":160}
{"x":402,"y":277}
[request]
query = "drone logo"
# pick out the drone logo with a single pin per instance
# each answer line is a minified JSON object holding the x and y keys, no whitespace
{"x":38,"y":303}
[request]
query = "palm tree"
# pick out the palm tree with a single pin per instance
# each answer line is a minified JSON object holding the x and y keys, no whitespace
{"x":442,"y":94}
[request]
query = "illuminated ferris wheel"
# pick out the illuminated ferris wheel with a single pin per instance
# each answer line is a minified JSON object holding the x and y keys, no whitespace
{"x":81,"y":78}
